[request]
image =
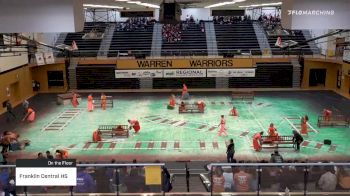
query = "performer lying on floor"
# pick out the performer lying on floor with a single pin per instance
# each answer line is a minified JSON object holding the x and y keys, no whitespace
{"x":134,"y":124}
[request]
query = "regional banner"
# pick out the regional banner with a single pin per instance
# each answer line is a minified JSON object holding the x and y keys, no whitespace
{"x":185,"y":73}
{"x":230,"y":73}
{"x":138,"y":73}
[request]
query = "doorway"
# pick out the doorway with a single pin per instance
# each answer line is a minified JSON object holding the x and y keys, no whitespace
{"x":317,"y":77}
{"x":14,"y":92}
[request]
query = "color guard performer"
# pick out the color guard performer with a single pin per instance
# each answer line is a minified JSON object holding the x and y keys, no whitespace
{"x":234,"y":112}
{"x":90,"y":103}
{"x":172,"y":102}
{"x":304,"y":121}
{"x":96,"y":136}
{"x":182,"y":107}
{"x":74,"y":101}
{"x":273,"y":134}
{"x":327,"y":114}
{"x":222,"y":126}
{"x":185,"y":94}
{"x":103,"y":101}
{"x":134,"y":124}
{"x":30,"y":116}
{"x":201,"y":105}
{"x":257,"y":141}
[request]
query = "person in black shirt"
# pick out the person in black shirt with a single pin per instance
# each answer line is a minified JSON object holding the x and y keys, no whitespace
{"x":9,"y":110}
{"x":297,"y":139}
{"x":230,"y":152}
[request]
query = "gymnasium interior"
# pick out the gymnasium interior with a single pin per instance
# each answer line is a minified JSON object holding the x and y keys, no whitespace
{"x":145,"y":96}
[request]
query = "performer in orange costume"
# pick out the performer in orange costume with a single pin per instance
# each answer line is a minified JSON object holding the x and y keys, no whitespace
{"x":234,"y":112}
{"x":304,"y":125}
{"x":201,"y":106}
{"x":182,"y":107}
{"x":96,"y":136}
{"x":90,"y":103}
{"x":103,"y":101}
{"x":135,"y":125}
{"x":257,"y":141}
{"x":30,"y":116}
{"x":222,"y":125}
{"x":327,"y":114}
{"x":74,"y":101}
{"x":273,"y":134}
{"x":184,"y":92}
{"x":172,"y":102}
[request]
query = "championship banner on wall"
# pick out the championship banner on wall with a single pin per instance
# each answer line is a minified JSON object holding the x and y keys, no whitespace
{"x":185,"y":73}
{"x":138,"y":73}
{"x":39,"y":59}
{"x":230,"y":73}
{"x":49,"y":58}
{"x":183,"y":63}
{"x":346,"y":55}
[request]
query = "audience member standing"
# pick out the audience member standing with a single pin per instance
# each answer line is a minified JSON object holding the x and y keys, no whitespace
{"x":230,"y":152}
{"x":328,"y":180}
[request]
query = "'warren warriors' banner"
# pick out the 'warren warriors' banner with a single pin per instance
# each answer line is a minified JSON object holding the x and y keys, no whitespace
{"x":316,"y":14}
{"x":183,"y":63}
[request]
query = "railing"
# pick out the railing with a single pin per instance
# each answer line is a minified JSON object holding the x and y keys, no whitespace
{"x":282,"y":179}
{"x":222,"y":178}
{"x":178,"y":53}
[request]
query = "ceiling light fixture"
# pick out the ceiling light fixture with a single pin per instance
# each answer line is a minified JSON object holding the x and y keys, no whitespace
{"x":261,"y":5}
{"x":224,"y":3}
{"x":134,"y":2}
{"x":102,"y":6}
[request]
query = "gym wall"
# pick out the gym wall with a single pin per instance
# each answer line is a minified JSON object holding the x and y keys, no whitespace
{"x":15,"y":85}
{"x":331,"y":72}
{"x":40,"y":74}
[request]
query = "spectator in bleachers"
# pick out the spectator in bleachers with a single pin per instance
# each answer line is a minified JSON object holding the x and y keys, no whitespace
{"x":85,"y":182}
{"x":242,"y":181}
{"x":135,"y":24}
{"x":172,"y":32}
{"x":231,"y":19}
{"x":343,"y":175}
{"x":218,"y":180}
{"x":276,"y":157}
{"x":328,"y":180}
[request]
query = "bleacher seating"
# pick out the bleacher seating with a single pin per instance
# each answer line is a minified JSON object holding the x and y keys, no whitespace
{"x":236,"y":38}
{"x":296,"y":36}
{"x":138,"y":42}
{"x":86,"y":47}
{"x":267,"y":75}
{"x":193,"y":43}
